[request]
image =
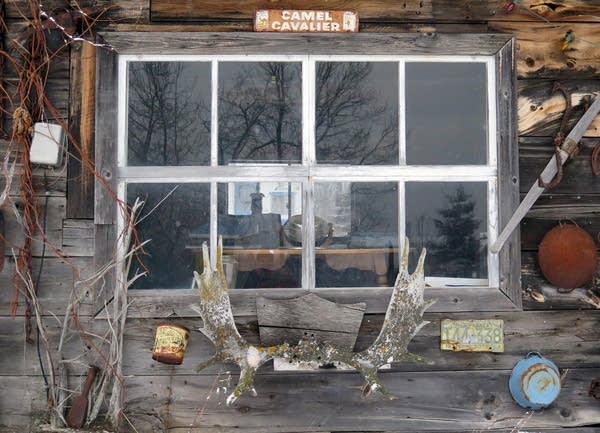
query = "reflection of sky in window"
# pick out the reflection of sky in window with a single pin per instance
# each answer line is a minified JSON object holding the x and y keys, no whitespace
{"x":446,"y":113}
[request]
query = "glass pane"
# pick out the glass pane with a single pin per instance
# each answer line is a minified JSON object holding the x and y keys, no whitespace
{"x":260,"y":112}
{"x":356,"y":234}
{"x":252,"y":219}
{"x":446,"y":113}
{"x":450,"y":220}
{"x":172,"y":217}
{"x":168,"y":113}
{"x":356,"y":118}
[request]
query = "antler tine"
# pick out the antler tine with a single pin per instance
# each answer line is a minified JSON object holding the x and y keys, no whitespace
{"x":219,"y":262}
{"x":405,"y":253}
{"x":420,"y":269}
{"x":205,"y":258}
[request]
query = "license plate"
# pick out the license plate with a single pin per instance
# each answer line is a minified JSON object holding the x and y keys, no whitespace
{"x":472,"y":335}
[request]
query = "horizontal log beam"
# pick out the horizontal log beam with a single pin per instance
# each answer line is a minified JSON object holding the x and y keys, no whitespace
{"x":150,"y":303}
{"x":540,"y":111}
{"x":552,"y":209}
{"x":56,"y":281}
{"x":124,"y":11}
{"x":540,"y":54}
{"x":463,"y":402}
{"x":578,"y":179}
{"x":470,"y":400}
{"x":385,"y":10}
{"x":568,"y":337}
{"x":539,"y":294}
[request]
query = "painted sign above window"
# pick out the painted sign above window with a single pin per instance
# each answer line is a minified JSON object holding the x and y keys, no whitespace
{"x":287,"y":20}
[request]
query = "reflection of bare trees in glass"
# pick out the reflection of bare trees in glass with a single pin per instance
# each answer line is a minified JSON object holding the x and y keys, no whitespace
{"x":260,"y":112}
{"x":168,"y":121}
{"x":457,"y":248}
{"x":353,"y":124}
{"x":260,"y":115}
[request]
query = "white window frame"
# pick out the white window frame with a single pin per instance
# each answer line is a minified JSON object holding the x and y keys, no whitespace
{"x":496,"y":51}
{"x":309,"y":168}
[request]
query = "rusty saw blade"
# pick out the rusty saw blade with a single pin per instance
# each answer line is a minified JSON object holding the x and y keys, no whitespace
{"x":566,"y":149}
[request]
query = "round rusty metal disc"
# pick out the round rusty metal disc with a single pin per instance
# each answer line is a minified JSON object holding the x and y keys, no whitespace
{"x":567,"y":256}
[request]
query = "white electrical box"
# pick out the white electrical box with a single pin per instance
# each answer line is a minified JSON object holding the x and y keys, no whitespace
{"x":48,"y":144}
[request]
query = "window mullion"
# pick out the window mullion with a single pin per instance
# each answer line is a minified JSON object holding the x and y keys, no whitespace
{"x":493,"y":210}
{"x":214,"y":157}
{"x":401,"y":216}
{"x":214,"y":114}
{"x":213,"y":234}
{"x":491,"y":103}
{"x":308,"y":112}
{"x":308,"y":236}
{"x":123,"y":94}
{"x":493,"y":218}
{"x":308,"y":160}
{"x":401,"y":113}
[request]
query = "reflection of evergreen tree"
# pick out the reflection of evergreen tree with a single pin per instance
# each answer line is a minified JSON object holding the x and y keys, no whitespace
{"x":458,"y":245}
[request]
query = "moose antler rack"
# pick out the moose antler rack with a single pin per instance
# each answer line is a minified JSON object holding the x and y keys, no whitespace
{"x":403,"y":320}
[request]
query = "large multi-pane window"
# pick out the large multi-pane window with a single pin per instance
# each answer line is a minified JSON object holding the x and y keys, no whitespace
{"x":312,"y":168}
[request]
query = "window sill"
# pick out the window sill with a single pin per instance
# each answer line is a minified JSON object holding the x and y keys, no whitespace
{"x":151,"y":303}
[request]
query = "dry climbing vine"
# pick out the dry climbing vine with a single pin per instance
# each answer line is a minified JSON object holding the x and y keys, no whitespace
{"x":28,"y":55}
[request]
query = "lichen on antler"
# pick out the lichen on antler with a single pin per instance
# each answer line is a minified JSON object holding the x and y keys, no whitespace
{"x":219,"y":326}
{"x":403,"y":319}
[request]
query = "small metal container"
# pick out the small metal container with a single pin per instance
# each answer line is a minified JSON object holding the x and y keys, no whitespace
{"x":534,"y":382}
{"x":169,"y":343}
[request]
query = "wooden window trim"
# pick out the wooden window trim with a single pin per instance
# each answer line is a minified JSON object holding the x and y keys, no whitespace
{"x":151,"y":302}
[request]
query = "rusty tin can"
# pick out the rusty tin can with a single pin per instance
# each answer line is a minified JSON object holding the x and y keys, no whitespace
{"x":169,"y":343}
{"x":534,"y":382}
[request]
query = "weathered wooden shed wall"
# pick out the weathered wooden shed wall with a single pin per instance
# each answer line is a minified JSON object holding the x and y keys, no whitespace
{"x":461,"y":391}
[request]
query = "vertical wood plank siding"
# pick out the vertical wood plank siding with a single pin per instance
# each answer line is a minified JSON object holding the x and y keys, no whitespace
{"x":508,"y":163}
{"x":80,"y":196}
{"x":105,"y":207}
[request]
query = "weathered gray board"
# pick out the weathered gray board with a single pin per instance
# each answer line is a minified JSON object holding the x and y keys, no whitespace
{"x":150,"y":303}
{"x":437,"y":401}
{"x":324,"y":402}
{"x":289,"y":320}
{"x":570,"y":338}
{"x":56,"y":281}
